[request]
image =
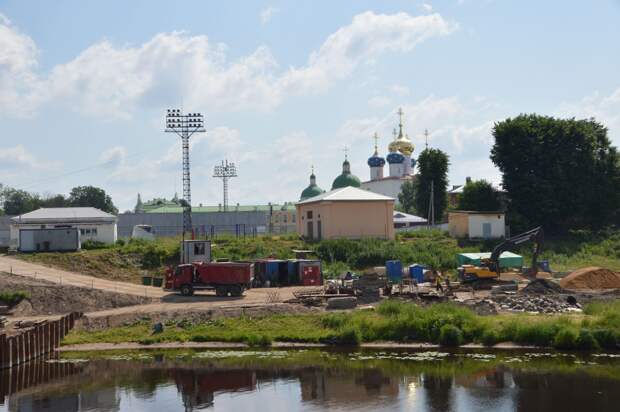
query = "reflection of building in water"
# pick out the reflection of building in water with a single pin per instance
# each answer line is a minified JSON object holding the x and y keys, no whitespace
{"x":325,"y":385}
{"x":197,"y":387}
{"x":105,"y":399}
{"x":438,"y":392}
{"x":34,"y":403}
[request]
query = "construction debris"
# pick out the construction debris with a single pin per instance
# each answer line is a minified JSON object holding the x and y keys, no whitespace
{"x":591,"y":278}
{"x":347,"y":302}
{"x":535,"y":304}
{"x":543,"y":287}
{"x":368,"y":287}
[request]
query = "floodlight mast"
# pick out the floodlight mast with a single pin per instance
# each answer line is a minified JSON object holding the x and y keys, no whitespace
{"x":185,"y":125}
{"x":225,"y":171}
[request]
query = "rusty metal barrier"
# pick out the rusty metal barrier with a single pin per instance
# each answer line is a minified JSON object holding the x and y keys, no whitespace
{"x":34,"y":342}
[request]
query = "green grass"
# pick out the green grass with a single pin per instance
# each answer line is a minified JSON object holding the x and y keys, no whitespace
{"x":445,"y":324}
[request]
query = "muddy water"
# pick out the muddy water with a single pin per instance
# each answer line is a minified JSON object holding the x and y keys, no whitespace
{"x":314,"y":380}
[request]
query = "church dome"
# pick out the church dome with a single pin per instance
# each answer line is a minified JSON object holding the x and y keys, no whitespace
{"x":413,"y":163}
{"x":376,"y":161}
{"x":401,"y":142}
{"x":346,"y":178}
{"x":312,"y":189}
{"x":395,"y":157}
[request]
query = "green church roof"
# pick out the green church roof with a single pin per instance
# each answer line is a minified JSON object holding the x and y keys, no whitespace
{"x":346,"y":178}
{"x":311,"y":191}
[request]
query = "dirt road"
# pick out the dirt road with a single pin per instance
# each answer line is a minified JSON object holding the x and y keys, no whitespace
{"x":19,"y":267}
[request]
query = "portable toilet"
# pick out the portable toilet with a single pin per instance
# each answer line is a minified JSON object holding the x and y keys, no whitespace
{"x":292,"y":268}
{"x":416,"y":271}
{"x":311,"y":273}
{"x":272,"y":270}
{"x":394,"y":270}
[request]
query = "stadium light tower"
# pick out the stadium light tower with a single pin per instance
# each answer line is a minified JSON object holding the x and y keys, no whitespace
{"x":225,"y":171}
{"x":185,"y":125}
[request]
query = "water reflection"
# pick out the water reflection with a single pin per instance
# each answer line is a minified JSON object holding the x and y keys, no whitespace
{"x":314,"y":383}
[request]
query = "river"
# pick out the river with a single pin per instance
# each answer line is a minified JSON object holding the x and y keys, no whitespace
{"x":314,"y":380}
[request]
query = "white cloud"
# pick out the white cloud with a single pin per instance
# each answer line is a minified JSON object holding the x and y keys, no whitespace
{"x":399,"y":89}
{"x":378,"y":102}
{"x":113,"y":157}
{"x":426,"y":7}
{"x":106,"y":80}
{"x":267,"y":14}
{"x":603,"y":108}
{"x":17,"y":162}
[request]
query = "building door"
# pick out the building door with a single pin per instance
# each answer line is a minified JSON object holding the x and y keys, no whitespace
{"x":319,"y":232}
{"x":486,"y":230}
{"x":310,"y":232}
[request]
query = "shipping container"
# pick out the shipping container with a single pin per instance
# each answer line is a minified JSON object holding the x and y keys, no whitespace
{"x":394,"y":270}
{"x":66,"y":239}
{"x":311,"y":273}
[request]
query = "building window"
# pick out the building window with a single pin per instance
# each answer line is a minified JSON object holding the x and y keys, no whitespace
{"x":293,"y":218}
{"x":309,"y":214}
{"x":285,"y":219}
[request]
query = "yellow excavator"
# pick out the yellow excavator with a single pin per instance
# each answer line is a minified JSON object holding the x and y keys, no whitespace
{"x":490,"y":268}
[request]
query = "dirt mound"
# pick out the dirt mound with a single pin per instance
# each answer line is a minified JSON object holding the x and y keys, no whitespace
{"x":543,"y":287}
{"x":47,"y":298}
{"x":591,"y":278}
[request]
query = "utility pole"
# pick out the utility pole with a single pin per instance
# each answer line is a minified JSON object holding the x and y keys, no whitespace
{"x":185,"y":125}
{"x":431,"y":206}
{"x":225,"y":171}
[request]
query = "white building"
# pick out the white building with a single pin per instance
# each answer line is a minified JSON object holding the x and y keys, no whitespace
{"x":401,"y":165}
{"x":93,"y":224}
{"x":476,"y":225}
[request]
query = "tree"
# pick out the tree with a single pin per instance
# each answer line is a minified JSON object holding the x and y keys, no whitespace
{"x":54,"y":201}
{"x":406,"y":197}
{"x":17,"y":202}
{"x":560,"y":173}
{"x":93,"y":197}
{"x":433,"y":166}
{"x":479,"y":195}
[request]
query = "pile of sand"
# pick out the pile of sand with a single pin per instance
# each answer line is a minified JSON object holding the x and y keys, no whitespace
{"x":591,"y":278}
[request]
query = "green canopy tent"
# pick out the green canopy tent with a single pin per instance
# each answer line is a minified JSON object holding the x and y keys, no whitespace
{"x":506,"y":259}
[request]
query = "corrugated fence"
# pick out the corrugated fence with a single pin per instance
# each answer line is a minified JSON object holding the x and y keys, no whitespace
{"x":37,"y":341}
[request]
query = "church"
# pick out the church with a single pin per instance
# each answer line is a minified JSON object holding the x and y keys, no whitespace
{"x":400,"y":170}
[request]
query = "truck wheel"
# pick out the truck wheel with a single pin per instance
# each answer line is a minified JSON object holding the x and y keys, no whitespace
{"x":236,"y":290}
{"x":187,"y":290}
{"x":221,"y":291}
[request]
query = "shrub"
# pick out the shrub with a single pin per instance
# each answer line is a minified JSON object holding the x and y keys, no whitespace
{"x":13,"y":298}
{"x":490,"y":337}
{"x":390,"y":308}
{"x":257,"y":340}
{"x":566,"y":338}
{"x":334,"y":320}
{"x":606,"y":338}
{"x":586,"y":340}
{"x":346,"y":336}
{"x":450,"y":335}
{"x":536,"y":333}
{"x":94,"y":244}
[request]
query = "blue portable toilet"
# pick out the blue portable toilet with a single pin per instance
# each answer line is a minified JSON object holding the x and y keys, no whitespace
{"x":416,"y":271}
{"x":272,"y":270}
{"x":394,"y":270}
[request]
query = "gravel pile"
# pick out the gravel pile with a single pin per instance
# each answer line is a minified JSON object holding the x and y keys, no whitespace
{"x":535,"y":304}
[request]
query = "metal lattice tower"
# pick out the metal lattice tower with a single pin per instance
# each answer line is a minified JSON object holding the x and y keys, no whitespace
{"x":185,"y":125}
{"x":225,"y":171}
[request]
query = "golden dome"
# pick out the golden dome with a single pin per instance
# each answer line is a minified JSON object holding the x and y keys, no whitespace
{"x":401,"y":143}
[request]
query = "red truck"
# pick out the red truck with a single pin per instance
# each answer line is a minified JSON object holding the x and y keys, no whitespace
{"x":226,"y":278}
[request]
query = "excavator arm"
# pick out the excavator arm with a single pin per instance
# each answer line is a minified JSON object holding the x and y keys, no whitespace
{"x":535,"y":235}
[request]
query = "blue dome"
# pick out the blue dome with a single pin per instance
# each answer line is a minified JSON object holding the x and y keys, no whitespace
{"x":413,"y":163}
{"x":395,"y":157}
{"x":376,"y":161}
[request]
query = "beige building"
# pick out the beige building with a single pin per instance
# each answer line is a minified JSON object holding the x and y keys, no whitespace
{"x":347,"y":212}
{"x":476,"y":225}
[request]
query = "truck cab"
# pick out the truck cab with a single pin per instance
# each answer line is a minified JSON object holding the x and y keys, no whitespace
{"x":181,"y":278}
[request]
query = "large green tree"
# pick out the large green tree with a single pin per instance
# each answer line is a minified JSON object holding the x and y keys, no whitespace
{"x":17,"y":202}
{"x":406,"y":197}
{"x":560,"y":173}
{"x":92,"y":196}
{"x":479,"y":195}
{"x":433,"y":168}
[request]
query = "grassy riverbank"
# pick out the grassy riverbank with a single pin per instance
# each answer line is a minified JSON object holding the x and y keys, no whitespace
{"x":444,"y":324}
{"x":127,"y":261}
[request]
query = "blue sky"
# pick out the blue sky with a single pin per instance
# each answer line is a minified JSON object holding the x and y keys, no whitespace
{"x":84,"y":86}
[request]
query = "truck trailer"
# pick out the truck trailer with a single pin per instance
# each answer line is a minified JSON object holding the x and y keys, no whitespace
{"x":226,"y":278}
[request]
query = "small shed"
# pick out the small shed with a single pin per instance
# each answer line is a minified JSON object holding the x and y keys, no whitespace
{"x":476,"y":225}
{"x":506,"y":259}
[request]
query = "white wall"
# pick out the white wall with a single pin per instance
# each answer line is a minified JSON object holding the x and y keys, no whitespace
{"x":106,"y":232}
{"x":497,"y":221}
{"x":387,"y":187}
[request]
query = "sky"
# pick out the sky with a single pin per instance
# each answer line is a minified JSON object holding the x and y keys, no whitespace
{"x":84,"y":87}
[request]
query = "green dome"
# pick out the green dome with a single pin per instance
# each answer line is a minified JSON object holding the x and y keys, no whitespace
{"x":312,"y":190}
{"x":346,"y":178}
